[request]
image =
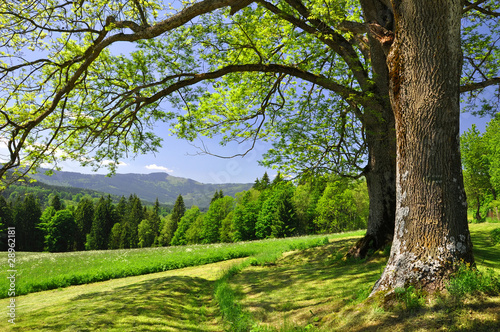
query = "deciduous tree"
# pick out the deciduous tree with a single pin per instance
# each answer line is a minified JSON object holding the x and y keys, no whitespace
{"x":271,"y":67}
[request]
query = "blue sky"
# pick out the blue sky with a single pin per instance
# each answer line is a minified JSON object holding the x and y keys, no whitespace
{"x":180,"y":158}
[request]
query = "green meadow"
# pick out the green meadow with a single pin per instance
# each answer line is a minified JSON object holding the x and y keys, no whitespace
{"x":296,"y":284}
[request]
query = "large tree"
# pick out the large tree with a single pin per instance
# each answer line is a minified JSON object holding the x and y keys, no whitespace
{"x":425,"y":63}
{"x":273,"y":67}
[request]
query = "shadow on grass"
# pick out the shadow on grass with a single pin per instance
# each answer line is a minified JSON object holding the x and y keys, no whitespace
{"x":486,"y":252}
{"x":475,"y":315}
{"x":177,"y":303}
{"x":304,"y":285}
{"x":316,"y":288}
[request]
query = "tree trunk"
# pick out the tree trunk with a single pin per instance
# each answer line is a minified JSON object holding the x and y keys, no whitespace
{"x":381,"y":139}
{"x":478,"y":209}
{"x":431,"y":232}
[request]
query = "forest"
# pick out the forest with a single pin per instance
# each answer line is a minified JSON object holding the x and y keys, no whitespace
{"x":271,"y":209}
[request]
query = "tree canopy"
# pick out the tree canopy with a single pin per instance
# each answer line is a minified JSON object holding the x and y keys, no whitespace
{"x":292,"y":70}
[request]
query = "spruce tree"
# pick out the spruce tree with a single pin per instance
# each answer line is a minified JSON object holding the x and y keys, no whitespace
{"x":104,"y":217}
{"x":84,"y":216}
{"x":27,"y":219}
{"x":5,"y":221}
{"x":177,"y":213}
{"x":56,"y":202}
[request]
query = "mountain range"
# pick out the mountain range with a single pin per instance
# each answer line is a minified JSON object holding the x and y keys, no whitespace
{"x":147,"y":187}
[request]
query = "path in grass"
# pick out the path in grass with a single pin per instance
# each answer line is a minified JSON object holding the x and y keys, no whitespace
{"x":177,"y":300}
{"x":44,"y":271}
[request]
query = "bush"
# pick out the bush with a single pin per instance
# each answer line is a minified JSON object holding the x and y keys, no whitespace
{"x":409,"y":298}
{"x":495,"y":235}
{"x":469,"y":280}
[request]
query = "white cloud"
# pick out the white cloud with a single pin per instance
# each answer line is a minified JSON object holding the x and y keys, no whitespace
{"x":110,"y":162}
{"x":159,"y":168}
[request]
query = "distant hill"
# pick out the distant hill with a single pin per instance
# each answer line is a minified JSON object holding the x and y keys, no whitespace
{"x":146,"y":186}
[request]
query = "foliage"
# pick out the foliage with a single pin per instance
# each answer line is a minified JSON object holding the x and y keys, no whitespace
{"x":187,"y":219}
{"x":177,"y":213}
{"x":475,"y":161}
{"x":481,"y":163}
{"x":245,"y":216}
{"x":277,"y":216}
{"x":146,"y":233}
{"x":84,"y":216}
{"x":167,"y":232}
{"x":218,"y":211}
{"x":410,"y":298}
{"x":337,"y":210}
{"x":115,"y":236}
{"x":60,"y":232}
{"x":469,"y":280}
{"x":495,"y":235}
{"x":282,"y":209}
{"x":26,"y":215}
{"x":102,"y":224}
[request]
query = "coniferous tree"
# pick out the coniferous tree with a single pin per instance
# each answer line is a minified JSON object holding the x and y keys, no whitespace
{"x":121,"y":210}
{"x":5,"y":221}
{"x":155,"y":221}
{"x":177,"y":213}
{"x":135,"y":215}
{"x":56,"y":202}
{"x":27,"y":219}
{"x":263,"y":183}
{"x":84,"y":216}
{"x":104,"y":217}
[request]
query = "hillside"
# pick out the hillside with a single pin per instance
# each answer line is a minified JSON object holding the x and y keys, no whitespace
{"x":147,"y":187}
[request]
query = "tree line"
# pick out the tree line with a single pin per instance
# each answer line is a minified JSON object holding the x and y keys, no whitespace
{"x":271,"y":209}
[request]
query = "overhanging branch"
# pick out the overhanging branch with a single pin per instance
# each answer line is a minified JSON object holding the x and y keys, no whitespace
{"x":480,"y":85}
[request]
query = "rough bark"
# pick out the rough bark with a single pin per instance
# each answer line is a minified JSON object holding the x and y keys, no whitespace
{"x":381,"y":139}
{"x":431,"y":231}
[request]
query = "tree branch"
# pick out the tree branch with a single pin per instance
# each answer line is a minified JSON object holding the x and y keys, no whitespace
{"x":327,"y":35}
{"x":480,"y":85}
{"x":346,"y":93}
{"x":470,"y":6}
{"x":16,"y":144}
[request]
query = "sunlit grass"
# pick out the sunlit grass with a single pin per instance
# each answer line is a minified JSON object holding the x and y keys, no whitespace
{"x":44,"y":271}
{"x":304,"y":290}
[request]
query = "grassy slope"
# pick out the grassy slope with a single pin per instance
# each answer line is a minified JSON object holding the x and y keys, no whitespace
{"x":44,"y":271}
{"x":313,"y":288}
{"x":177,"y":300}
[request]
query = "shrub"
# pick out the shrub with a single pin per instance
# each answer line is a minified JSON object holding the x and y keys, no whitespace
{"x":469,"y":280}
{"x":409,"y":298}
{"x":495,"y":235}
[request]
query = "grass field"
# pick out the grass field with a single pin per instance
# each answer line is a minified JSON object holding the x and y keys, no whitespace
{"x":45,"y":271}
{"x":304,"y":290}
